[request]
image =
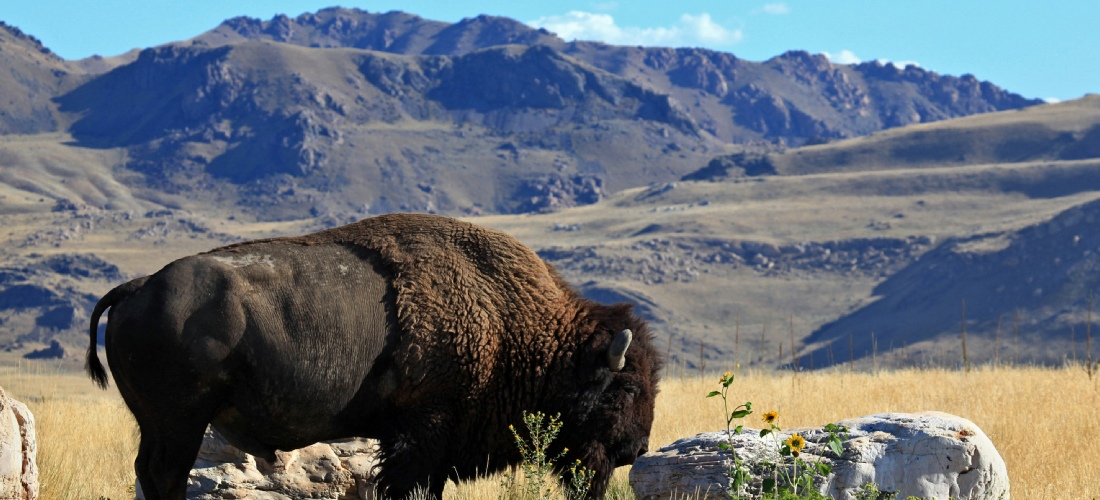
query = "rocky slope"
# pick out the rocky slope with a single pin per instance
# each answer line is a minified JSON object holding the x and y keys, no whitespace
{"x":1039,"y":279}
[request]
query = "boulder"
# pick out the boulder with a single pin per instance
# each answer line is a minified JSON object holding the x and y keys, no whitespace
{"x":341,"y":469}
{"x":927,"y":455}
{"x":18,"y":451}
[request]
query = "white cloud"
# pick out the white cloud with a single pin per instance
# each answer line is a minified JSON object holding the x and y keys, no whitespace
{"x":843,"y":57}
{"x":606,"y":6}
{"x":1051,"y":100}
{"x":690,"y":30}
{"x":899,"y":64}
{"x":849,"y":57}
{"x":775,"y":8}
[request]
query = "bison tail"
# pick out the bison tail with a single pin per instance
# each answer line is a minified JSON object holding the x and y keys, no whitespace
{"x":92,"y":365}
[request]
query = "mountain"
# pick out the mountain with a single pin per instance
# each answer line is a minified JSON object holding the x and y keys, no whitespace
{"x":343,"y":113}
{"x":288,"y":131}
{"x":31,"y":76}
{"x":794,"y":97}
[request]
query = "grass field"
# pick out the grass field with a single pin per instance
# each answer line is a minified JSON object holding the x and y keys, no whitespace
{"x":1043,"y":421}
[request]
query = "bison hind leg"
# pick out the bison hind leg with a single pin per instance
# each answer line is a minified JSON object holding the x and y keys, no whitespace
{"x":165,"y":456}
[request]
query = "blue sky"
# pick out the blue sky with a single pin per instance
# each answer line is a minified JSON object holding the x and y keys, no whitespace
{"x":1038,"y":49}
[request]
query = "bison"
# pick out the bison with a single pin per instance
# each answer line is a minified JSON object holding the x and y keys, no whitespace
{"x":429,"y":334}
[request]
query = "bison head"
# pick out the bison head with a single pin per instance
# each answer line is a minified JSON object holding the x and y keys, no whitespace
{"x":607,"y":420}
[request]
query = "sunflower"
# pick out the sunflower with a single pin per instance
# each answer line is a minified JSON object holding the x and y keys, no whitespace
{"x":770,"y":417}
{"x":796,"y":443}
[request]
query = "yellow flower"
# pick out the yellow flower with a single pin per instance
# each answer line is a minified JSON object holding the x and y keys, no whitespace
{"x":770,"y":417}
{"x":727,"y":375}
{"x":796,"y":443}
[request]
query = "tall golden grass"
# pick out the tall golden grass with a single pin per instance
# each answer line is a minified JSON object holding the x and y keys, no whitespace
{"x":1044,"y":421}
{"x":87,"y":439}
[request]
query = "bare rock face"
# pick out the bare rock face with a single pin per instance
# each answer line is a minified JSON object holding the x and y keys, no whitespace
{"x":927,"y":455}
{"x":18,"y":451}
{"x":341,"y":470}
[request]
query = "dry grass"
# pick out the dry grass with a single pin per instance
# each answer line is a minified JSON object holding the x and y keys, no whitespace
{"x":1040,"y":419}
{"x":87,"y":439}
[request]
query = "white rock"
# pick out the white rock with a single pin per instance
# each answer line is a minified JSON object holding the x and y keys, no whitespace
{"x":18,"y":451}
{"x":927,"y":455}
{"x":331,"y":470}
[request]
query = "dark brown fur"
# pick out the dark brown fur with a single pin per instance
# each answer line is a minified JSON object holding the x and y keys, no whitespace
{"x":485,"y":331}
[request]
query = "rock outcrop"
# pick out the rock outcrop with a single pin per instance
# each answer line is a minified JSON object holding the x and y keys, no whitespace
{"x":928,"y":455}
{"x":334,"y":469}
{"x":18,"y":451}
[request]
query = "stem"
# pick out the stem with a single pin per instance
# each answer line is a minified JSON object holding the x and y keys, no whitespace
{"x":794,"y":481}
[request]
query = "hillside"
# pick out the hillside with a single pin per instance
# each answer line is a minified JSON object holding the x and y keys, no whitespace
{"x":31,"y":76}
{"x":1063,"y":131}
{"x":1037,"y":279}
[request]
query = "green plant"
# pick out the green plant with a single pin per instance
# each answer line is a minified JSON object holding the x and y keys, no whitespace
{"x":870,"y":491}
{"x":738,"y":473}
{"x":803,"y":474}
{"x":795,"y":482}
{"x":530,"y":482}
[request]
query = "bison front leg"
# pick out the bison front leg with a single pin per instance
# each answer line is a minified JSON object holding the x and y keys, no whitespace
{"x":595,"y":459}
{"x":414,"y":457}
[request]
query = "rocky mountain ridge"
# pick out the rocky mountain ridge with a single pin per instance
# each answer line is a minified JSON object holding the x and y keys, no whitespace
{"x":413,"y":114}
{"x":793,"y":96}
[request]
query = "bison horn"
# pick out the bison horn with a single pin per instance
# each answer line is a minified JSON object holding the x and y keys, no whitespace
{"x":616,"y":354}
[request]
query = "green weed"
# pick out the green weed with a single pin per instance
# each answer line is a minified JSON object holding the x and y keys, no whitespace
{"x":533,"y":480}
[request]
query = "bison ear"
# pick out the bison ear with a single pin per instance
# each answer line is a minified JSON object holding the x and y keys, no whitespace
{"x":616,"y":354}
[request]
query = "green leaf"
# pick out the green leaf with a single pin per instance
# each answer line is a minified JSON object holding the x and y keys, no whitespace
{"x":834,"y":444}
{"x":835,"y":428}
{"x":714,"y":393}
{"x":824,"y":468}
{"x":769,"y":485}
{"x":765,"y":432}
{"x":742,"y":413}
{"x":785,"y":451}
{"x":723,"y":446}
